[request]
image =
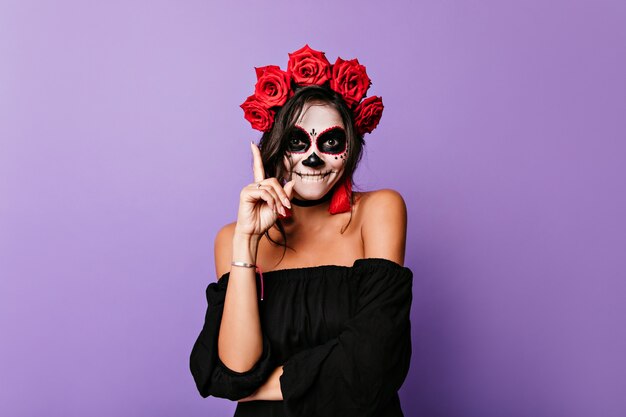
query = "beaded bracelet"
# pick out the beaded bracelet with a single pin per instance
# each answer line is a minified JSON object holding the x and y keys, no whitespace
{"x":247,"y":265}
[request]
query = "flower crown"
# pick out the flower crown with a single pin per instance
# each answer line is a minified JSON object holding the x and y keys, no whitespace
{"x":310,"y":67}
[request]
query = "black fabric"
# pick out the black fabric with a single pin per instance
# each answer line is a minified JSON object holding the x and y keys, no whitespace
{"x":342,"y":334}
{"x":212,"y":377}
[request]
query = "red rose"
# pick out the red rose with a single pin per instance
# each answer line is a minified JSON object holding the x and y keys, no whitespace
{"x":367,"y":114}
{"x":260,"y":117}
{"x":350,"y":80}
{"x":308,"y":67}
{"x":273,"y":86}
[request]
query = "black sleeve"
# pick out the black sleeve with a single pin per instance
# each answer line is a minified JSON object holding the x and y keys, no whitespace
{"x":357,"y":373}
{"x":212,"y":377}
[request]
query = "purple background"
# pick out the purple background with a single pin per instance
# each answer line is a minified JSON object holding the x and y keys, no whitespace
{"x":123,"y":151}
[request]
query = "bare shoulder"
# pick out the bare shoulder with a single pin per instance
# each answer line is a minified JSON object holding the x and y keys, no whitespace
{"x":377,"y":200}
{"x":383,"y":224}
{"x":223,"y":248}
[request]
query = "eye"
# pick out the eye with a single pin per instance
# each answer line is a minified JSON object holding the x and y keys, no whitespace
{"x":298,"y":141}
{"x":332,"y":141}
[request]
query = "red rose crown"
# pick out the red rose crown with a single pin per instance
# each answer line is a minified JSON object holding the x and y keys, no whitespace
{"x":307,"y":66}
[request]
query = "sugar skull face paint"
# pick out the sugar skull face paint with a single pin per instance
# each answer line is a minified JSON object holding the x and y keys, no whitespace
{"x":317,"y":149}
{"x":330,"y":141}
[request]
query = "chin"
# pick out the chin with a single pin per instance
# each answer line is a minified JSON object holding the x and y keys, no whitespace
{"x":313,"y":190}
{"x":309,"y":194}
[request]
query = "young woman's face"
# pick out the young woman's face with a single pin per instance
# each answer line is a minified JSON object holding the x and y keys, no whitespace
{"x":317,"y":150}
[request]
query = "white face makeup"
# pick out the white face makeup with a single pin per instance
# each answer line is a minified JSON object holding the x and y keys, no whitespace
{"x":317,"y":150}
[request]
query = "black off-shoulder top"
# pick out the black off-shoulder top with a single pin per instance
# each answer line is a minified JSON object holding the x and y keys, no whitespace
{"x":342,"y":334}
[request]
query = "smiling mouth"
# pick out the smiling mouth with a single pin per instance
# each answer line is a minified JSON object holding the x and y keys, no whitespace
{"x":317,"y":176}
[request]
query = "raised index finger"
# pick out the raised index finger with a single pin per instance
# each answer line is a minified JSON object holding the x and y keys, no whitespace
{"x":257,"y":163}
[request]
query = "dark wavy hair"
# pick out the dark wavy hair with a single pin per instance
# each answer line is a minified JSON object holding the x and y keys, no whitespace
{"x":273,"y":144}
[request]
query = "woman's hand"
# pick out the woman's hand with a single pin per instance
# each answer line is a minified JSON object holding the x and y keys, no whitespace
{"x":269,"y":391}
{"x":259,"y":205}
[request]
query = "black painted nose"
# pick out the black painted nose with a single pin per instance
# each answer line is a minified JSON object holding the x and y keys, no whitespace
{"x":313,"y":161}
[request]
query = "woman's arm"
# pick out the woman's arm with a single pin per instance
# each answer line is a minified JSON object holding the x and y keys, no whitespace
{"x":240,"y":342}
{"x":211,"y":375}
{"x":384,"y":226}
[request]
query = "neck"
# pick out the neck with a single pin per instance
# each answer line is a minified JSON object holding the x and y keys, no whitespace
{"x":309,"y":211}
{"x":310,"y":203}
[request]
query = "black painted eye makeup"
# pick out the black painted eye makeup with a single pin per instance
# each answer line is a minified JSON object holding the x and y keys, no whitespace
{"x":298,"y":141}
{"x":332,"y":140}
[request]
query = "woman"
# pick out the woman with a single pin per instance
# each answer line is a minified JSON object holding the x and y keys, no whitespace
{"x":330,"y":332}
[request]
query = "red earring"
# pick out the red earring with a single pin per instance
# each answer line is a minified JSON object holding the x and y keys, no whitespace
{"x":340,"y":202}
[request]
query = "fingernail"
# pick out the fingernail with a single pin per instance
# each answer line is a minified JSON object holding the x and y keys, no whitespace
{"x":287,"y":202}
{"x":282,"y":211}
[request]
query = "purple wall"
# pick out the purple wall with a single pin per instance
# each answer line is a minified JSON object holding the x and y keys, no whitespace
{"x":123,"y":150}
